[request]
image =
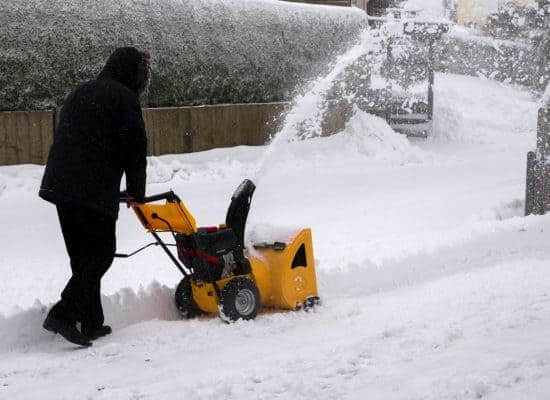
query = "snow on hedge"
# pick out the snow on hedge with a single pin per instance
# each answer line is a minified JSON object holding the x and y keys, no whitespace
{"x":204,"y":51}
{"x":462,"y":52}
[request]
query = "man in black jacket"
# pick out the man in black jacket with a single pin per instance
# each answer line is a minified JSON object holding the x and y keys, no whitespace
{"x":100,"y":137}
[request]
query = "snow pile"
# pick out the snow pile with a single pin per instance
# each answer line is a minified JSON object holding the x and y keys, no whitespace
{"x":203,"y":51}
{"x":127,"y":307}
{"x":124,"y":308}
{"x":269,"y":233}
{"x":20,"y":177}
{"x":372,"y":137}
{"x":23,"y":327}
{"x":461,"y":109}
{"x":165,"y":169}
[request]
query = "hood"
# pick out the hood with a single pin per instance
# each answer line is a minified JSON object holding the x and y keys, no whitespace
{"x":122,"y":67}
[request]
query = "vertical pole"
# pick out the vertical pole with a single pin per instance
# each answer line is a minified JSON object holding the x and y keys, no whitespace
{"x":431,"y":80}
{"x":530,"y":194}
{"x":388,"y":105}
{"x":537,"y":200}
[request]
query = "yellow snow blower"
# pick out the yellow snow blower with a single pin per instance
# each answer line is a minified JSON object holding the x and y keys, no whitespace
{"x":220,"y":275}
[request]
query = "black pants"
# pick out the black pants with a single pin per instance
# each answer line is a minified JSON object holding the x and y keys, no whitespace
{"x":91,"y":243}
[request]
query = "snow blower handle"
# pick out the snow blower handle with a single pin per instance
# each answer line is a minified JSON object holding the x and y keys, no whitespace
{"x":129,"y":200}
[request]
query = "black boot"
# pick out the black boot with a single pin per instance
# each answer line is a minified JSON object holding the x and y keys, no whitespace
{"x":67,"y":330}
{"x":94,"y":333}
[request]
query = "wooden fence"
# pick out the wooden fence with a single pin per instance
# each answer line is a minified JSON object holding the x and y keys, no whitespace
{"x":190,"y":129}
{"x":26,"y":137}
{"x":537,"y":192}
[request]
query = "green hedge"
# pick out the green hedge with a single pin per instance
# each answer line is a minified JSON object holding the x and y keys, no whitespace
{"x":203,"y":51}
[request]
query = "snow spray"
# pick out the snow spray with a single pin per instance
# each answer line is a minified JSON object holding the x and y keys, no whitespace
{"x":305,"y":117}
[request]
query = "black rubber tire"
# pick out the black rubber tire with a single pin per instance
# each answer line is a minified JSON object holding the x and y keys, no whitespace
{"x":239,"y":299}
{"x":184,"y":300}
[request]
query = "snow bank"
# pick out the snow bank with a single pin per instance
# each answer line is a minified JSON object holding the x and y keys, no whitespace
{"x":203,"y":51}
{"x":22,"y":328}
{"x":372,"y":137}
{"x":20,"y":177}
{"x":463,"y":113}
{"x":165,"y":169}
{"x":471,"y":248}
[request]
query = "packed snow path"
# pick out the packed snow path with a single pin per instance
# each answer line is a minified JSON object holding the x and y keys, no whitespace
{"x":434,"y":285}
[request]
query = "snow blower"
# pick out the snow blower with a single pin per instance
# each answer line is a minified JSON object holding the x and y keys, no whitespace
{"x":219,"y":274}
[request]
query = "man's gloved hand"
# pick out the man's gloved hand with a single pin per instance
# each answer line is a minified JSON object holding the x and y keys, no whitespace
{"x":125,"y":197}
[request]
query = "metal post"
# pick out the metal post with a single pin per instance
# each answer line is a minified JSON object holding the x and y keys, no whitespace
{"x":530,"y":188}
{"x":543,"y":134}
{"x":431,"y":80}
{"x":537,"y":200}
{"x":388,"y":89}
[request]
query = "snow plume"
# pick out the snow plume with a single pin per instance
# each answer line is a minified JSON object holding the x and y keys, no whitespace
{"x":305,"y":117}
{"x":23,"y":328}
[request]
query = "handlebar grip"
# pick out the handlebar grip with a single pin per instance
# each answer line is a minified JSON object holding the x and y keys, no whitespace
{"x":169,"y":196}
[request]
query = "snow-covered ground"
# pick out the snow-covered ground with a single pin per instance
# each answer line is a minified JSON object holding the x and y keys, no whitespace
{"x":434,"y":285}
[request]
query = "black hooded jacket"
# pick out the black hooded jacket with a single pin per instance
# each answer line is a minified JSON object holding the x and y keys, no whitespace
{"x":100,"y":136}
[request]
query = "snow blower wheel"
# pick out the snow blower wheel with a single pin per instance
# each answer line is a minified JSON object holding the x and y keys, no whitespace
{"x":239,"y":299}
{"x":184,"y":300}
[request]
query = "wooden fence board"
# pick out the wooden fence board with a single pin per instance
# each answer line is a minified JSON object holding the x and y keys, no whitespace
{"x":3,"y":140}
{"x":38,"y":122}
{"x":22,"y":137}
{"x":47,"y":124}
{"x":25,"y":137}
{"x":11,"y":138}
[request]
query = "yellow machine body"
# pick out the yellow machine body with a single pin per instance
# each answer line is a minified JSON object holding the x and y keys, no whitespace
{"x":153,"y":217}
{"x":285,"y":278}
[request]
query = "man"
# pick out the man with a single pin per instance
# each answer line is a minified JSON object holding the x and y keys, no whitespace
{"x":100,"y":137}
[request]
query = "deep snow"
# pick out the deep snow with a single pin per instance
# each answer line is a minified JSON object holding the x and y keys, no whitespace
{"x":434,"y":286}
